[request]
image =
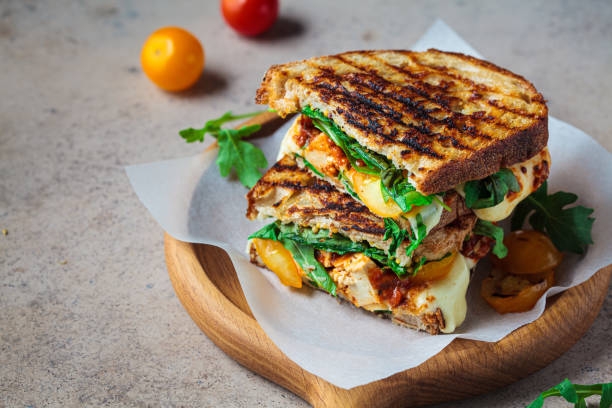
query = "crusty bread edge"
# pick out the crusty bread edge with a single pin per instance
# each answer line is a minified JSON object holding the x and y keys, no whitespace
{"x":517,"y":148}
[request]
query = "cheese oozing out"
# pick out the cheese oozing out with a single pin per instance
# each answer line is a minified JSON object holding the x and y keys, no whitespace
{"x":527,"y":174}
{"x":446,"y":294}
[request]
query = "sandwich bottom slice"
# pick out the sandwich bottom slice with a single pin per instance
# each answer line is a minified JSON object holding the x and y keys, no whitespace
{"x":326,"y":239}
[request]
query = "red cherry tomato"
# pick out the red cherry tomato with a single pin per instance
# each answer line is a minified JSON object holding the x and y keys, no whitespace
{"x":249,"y":17}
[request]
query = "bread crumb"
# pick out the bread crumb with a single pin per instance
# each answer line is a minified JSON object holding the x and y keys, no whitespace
{"x":5,"y":232}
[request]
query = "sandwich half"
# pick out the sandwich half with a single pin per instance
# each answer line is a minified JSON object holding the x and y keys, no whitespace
{"x":398,"y":128}
{"x":393,"y":176}
{"x":337,"y":244}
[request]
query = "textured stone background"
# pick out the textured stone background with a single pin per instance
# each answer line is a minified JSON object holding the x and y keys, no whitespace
{"x":87,"y":313}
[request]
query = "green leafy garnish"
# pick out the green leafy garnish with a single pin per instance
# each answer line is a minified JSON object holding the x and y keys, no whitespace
{"x":234,"y":152}
{"x":213,"y":126}
{"x":394,"y":185}
{"x":568,"y":228}
{"x":418,"y":235}
{"x":301,"y":250}
{"x":326,"y":241}
{"x":351,"y":148}
{"x":422,"y":262}
{"x":488,"y":229}
{"x":394,"y":231}
{"x":491,"y":190}
{"x":310,"y":166}
{"x":304,"y":256}
{"x":576,"y":394}
{"x":348,"y":184}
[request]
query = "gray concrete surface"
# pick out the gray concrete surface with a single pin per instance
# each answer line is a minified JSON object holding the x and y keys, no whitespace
{"x":87,"y":314}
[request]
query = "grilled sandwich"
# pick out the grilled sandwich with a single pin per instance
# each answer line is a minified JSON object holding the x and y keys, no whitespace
{"x":410,"y":156}
{"x":351,"y":256}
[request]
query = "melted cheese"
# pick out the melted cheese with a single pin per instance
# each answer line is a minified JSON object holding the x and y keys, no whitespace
{"x":525,"y":173}
{"x":448,"y":295}
{"x":431,"y":215}
{"x":288,"y":145}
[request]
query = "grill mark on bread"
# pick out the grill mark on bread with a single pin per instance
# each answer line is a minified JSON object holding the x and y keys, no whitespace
{"x":361,"y":106}
{"x":380,"y":86}
{"x":438,"y":95}
{"x":409,"y":109}
{"x":513,"y":138}
{"x":444,"y":71}
{"x":408,"y":138}
{"x":427,"y":93}
{"x":495,"y":103}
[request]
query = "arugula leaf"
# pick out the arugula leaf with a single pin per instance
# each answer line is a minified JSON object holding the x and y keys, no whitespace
{"x":270,"y":231}
{"x":537,"y":403}
{"x":301,"y":250}
{"x":373,"y":160}
{"x":323,"y":240}
{"x":488,"y":229}
{"x":567,"y":391}
{"x":396,"y":186}
{"x":576,"y":394}
{"x":422,"y":262}
{"x":213,"y":126}
{"x":235,"y":153}
{"x":348,"y":184}
{"x":309,"y":165}
{"x":418,"y":235}
{"x":382,"y":258}
{"x":392,"y":230}
{"x":304,"y":256}
{"x":491,"y":190}
{"x":606,"y":396}
{"x":351,"y":148}
{"x":568,"y":228}
{"x":245,"y":157}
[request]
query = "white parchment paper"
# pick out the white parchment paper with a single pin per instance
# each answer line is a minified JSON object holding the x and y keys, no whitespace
{"x":342,"y":344}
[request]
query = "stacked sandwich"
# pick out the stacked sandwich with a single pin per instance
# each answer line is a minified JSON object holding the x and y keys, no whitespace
{"x":392,"y":176}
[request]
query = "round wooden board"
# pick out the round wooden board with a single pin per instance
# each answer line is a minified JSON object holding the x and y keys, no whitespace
{"x":206,"y":283}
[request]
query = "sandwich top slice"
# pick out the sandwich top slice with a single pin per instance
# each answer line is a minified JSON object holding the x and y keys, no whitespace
{"x":417,"y":124}
{"x":333,"y":242}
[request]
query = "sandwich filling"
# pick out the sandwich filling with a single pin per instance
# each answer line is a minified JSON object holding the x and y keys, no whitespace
{"x":431,"y":298}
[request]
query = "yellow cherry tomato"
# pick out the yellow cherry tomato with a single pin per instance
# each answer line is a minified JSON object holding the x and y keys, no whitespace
{"x":529,"y":253}
{"x":279,"y":260}
{"x":433,"y":271}
{"x":172,"y":58}
{"x":513,"y":294}
{"x":367,"y":187}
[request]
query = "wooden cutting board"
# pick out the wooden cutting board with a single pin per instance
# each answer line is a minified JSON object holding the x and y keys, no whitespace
{"x":206,"y":284}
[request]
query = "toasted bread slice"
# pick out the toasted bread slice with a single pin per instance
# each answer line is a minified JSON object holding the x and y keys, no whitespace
{"x":445,"y":117}
{"x":293,"y":195}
